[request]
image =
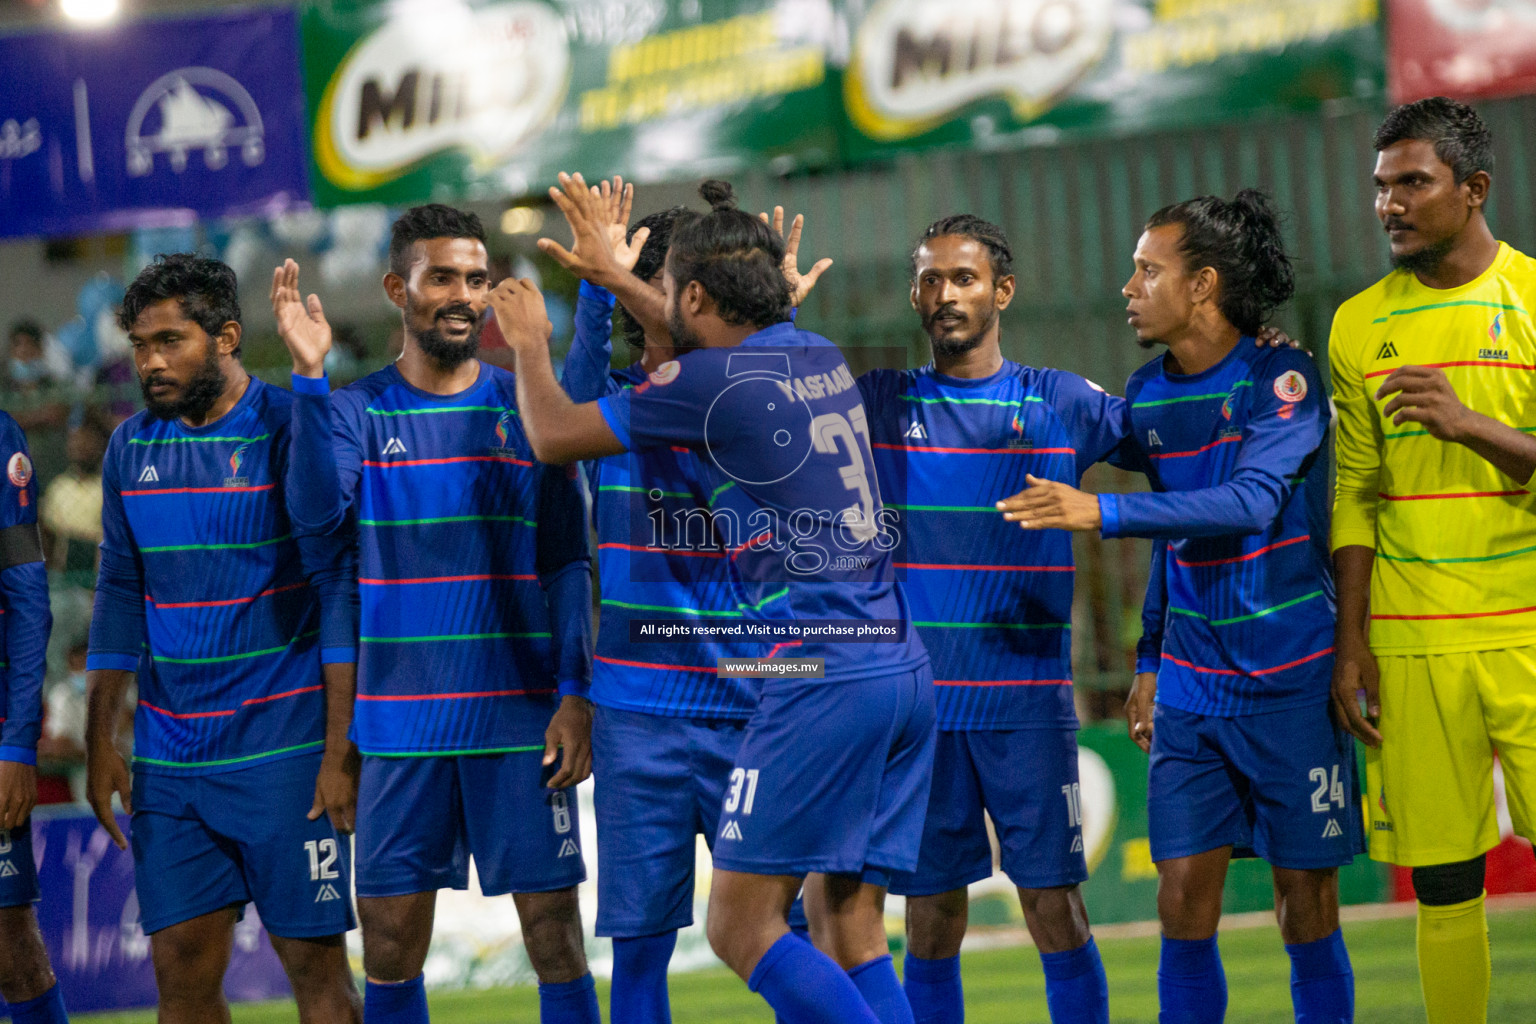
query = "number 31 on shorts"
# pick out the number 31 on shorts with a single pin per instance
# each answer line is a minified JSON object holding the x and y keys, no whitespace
{"x":741,"y":777}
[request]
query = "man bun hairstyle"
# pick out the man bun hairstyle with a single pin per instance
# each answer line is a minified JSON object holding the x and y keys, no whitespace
{"x":1462,"y":141}
{"x":1239,"y":239}
{"x":737,"y":258}
{"x":967,"y":225}
{"x":653,"y":257}
{"x":205,"y":289}
{"x":432,"y":220}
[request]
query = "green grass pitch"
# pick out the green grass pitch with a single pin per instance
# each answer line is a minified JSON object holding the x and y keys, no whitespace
{"x":1005,"y":985}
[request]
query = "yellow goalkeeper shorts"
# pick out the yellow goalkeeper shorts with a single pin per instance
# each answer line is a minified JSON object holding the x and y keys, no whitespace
{"x":1430,"y":784}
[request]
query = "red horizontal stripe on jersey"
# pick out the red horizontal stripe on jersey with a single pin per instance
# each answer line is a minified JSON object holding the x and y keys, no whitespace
{"x":1002,"y":682}
{"x":975,"y":451}
{"x":1243,"y":558}
{"x":985,"y":568}
{"x":186,"y":714}
{"x":1261,"y":672}
{"x":787,"y":643}
{"x":754,"y":542}
{"x":1458,"y":615}
{"x":654,"y":664}
{"x":1197,"y":451}
{"x":444,"y":462}
{"x":682,"y":451}
{"x":1460,"y":362}
{"x":663,"y":551}
{"x":446,"y":579}
{"x":1467,"y":494}
{"x":280,"y":696}
{"x":452,"y":696}
{"x":222,"y":604}
{"x":199,"y":490}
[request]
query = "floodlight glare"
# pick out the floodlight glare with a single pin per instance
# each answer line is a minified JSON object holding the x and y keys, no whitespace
{"x":89,"y":11}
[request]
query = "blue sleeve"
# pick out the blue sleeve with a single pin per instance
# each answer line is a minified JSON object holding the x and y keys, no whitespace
{"x":671,"y":405}
{"x":586,"y":377}
{"x":26,"y":618}
{"x":564,"y":566}
{"x":318,"y":510}
{"x":117,"y":619}
{"x":325,"y":461}
{"x":1096,"y":421}
{"x":1154,"y":609}
{"x":1279,"y":440}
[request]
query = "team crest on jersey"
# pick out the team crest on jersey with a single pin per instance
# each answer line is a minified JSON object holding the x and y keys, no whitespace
{"x":1291,"y":386}
{"x":1018,"y":440}
{"x":503,"y":434}
{"x":1496,"y":328}
{"x":236,"y":460}
{"x":19,"y":469}
{"x":1226,"y":407}
{"x":666,"y":373}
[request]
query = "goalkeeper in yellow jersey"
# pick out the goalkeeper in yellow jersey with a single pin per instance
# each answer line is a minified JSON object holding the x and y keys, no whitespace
{"x":1434,"y":535}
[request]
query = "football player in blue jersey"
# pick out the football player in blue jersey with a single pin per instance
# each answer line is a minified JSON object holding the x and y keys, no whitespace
{"x":832,"y":777}
{"x":475,"y":622}
{"x":1232,"y":691}
{"x":26,"y":978}
{"x":229,"y":617}
{"x":993,"y":605}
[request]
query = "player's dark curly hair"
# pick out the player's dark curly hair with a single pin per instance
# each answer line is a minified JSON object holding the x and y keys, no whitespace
{"x":736,"y":257}
{"x":432,"y":220}
{"x":653,"y":256}
{"x":1240,"y":239}
{"x":1462,"y":141}
{"x":967,"y":225}
{"x":30,"y":328}
{"x":204,"y":287}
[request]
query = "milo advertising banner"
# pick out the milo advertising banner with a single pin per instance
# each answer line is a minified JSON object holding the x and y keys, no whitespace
{"x":994,"y":73}
{"x":452,"y":99}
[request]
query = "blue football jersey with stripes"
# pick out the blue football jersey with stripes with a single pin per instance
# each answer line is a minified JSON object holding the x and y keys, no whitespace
{"x":993,"y":602}
{"x":473,"y":572}
{"x":202,"y":590}
{"x":1240,"y":610}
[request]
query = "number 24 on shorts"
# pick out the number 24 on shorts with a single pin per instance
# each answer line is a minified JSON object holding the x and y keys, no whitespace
{"x":1326,"y":790}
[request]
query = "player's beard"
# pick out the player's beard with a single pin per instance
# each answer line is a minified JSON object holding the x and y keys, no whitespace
{"x":684,"y":338}
{"x":949,"y":347}
{"x":449,"y":354}
{"x":1425,"y":260}
{"x":198,"y":394}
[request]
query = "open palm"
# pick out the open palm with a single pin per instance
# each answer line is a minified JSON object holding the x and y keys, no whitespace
{"x":301,"y":323}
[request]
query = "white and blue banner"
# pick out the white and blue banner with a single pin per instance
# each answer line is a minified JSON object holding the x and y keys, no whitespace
{"x":151,"y":123}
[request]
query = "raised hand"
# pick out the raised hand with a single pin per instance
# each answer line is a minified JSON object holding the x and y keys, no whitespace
{"x":301,"y":323}
{"x":800,"y":285}
{"x":617,"y":199}
{"x":520,"y":313}
{"x":592,"y":216}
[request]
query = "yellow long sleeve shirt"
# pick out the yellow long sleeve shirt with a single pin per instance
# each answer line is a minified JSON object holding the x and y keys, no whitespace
{"x":1455,"y":539}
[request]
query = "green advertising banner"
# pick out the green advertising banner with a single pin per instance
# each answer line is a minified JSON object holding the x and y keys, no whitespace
{"x":461,"y":99}
{"x":1001,"y":73}
{"x":455,"y":99}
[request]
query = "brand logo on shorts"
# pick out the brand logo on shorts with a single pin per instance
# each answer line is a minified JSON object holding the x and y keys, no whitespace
{"x":569,"y":849}
{"x":731,"y":831}
{"x":1077,"y":844}
{"x":7,"y":869}
{"x":327,"y":893}
{"x":1332,"y":829}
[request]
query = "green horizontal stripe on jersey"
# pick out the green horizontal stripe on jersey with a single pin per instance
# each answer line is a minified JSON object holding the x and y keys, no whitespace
{"x":995,"y":625}
{"x":446,"y":519}
{"x":668,"y":608}
{"x":1244,"y":618}
{"x":1452,"y":561}
{"x":971,"y":401}
{"x":720,"y":490}
{"x":454,"y":753}
{"x":445,"y":409}
{"x":1191,"y":398}
{"x":1425,"y":433}
{"x":215,"y":547}
{"x":452,"y":636}
{"x":316,"y":745}
{"x":236,"y":657}
{"x":1447,"y":305}
{"x":643,"y":490}
{"x":199,"y":440}
{"x":945,"y":508}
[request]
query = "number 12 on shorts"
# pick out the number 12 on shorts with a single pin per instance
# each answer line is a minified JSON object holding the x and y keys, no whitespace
{"x":322,"y":859}
{"x":1327,"y":790}
{"x":741,"y":777}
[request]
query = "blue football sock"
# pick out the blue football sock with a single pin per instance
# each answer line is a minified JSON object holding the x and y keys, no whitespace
{"x":877,"y":983}
{"x":802,"y":929}
{"x":1076,"y":990}
{"x":804,"y":986}
{"x":639,"y":994}
{"x":47,"y":1008}
{"x":396,"y":1002}
{"x":1322,"y":982}
{"x":1191,"y":986}
{"x":569,"y":1002}
{"x":933,"y":989}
